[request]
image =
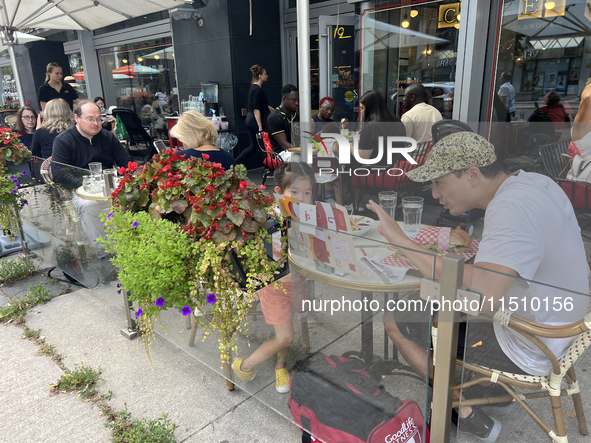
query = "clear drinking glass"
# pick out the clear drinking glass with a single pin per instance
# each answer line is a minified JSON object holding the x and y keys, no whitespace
{"x":96,"y":169}
{"x":87,"y":182}
{"x":412,"y":210}
{"x":388,"y":201}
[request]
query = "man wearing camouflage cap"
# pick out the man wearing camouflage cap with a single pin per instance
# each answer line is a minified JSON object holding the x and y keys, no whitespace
{"x":530,"y":231}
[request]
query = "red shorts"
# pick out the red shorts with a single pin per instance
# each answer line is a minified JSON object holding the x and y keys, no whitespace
{"x":279,"y":304}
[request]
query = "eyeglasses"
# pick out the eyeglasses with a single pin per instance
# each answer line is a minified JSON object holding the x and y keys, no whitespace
{"x":29,"y":117}
{"x":92,"y":120}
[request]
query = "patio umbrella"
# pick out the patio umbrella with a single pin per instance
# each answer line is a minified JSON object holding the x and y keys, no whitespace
{"x":20,"y":38}
{"x":162,"y":54}
{"x":135,"y":69}
{"x":83,"y":15}
{"x":80,"y":76}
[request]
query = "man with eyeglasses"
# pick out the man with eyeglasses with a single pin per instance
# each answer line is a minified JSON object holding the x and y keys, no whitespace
{"x":88,"y":142}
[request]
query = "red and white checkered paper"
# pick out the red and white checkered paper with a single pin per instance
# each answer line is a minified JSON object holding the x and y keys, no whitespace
{"x":432,"y":234}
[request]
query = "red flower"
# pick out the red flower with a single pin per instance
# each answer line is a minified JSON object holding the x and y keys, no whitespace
{"x":243,"y":185}
{"x":122,"y":171}
{"x":132,"y":166}
{"x":205,"y":156}
{"x":167,"y":167}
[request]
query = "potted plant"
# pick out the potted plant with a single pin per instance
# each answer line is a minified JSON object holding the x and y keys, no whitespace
{"x":186,"y":234}
{"x":11,"y":150}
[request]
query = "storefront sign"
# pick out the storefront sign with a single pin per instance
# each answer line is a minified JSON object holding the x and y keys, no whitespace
{"x":448,"y":15}
{"x":540,"y":8}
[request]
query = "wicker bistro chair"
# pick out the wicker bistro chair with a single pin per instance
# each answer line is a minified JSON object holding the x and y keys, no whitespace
{"x":545,"y":386}
{"x":385,"y":182}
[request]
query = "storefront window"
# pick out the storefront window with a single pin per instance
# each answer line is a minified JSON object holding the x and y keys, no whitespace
{"x":137,"y":75}
{"x":544,"y":54}
{"x":416,"y":43}
{"x":78,"y":73}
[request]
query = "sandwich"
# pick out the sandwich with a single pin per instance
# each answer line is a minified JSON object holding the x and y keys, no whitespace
{"x":459,"y":241}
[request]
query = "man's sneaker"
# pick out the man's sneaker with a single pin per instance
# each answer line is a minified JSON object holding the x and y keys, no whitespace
{"x":282,"y":380}
{"x":244,"y":376}
{"x":480,"y":425}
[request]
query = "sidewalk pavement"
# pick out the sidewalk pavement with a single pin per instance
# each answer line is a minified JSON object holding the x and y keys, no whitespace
{"x":84,"y":328}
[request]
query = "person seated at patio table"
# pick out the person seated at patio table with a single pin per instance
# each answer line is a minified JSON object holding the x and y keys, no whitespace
{"x":279,"y":304}
{"x":87,"y":142}
{"x":324,"y":116}
{"x":420,"y":116}
{"x":529,"y":224}
{"x":26,"y":124}
{"x":198,"y":136}
{"x":281,"y":122}
{"x":57,"y":117}
{"x":55,"y":87}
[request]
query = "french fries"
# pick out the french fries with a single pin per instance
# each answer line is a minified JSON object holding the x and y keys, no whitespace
{"x":354,"y":221}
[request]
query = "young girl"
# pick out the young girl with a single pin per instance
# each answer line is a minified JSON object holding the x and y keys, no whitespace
{"x":293,"y":180}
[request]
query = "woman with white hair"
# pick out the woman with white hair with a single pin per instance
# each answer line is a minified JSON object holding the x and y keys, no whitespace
{"x":57,"y":117}
{"x":198,"y":135}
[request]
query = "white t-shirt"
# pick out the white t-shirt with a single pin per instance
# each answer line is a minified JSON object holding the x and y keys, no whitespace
{"x":507,"y":90}
{"x":530,"y":227}
{"x":419,"y":120}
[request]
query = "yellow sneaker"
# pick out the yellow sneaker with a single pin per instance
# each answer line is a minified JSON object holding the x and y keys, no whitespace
{"x":244,"y":376}
{"x":282,"y":380}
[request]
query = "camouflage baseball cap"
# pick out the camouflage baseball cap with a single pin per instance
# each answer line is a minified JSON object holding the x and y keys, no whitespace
{"x":453,"y":153}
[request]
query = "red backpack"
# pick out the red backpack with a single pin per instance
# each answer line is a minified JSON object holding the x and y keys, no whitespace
{"x":337,"y":401}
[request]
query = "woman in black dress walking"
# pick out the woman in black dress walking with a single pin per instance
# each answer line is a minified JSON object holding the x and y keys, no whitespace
{"x":258,"y":111}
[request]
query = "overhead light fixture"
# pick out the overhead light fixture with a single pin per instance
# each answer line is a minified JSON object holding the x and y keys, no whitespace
{"x":550,"y":5}
{"x":124,"y":61}
{"x":414,"y":13}
{"x":157,"y":57}
{"x":405,"y":23}
{"x":458,"y":17}
{"x":140,"y":59}
{"x":429,"y":51}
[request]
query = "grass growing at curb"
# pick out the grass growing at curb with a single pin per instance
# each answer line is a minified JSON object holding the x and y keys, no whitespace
{"x":82,"y":379}
{"x":124,"y":430}
{"x":19,"y":305}
{"x":16,"y":269}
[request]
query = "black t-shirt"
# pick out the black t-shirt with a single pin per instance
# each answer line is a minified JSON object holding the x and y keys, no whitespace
{"x":370,"y":136}
{"x":224,"y":158}
{"x":319,"y":124}
{"x":47,"y":93}
{"x":279,"y":122}
{"x":43,"y":142}
{"x":258,"y":100}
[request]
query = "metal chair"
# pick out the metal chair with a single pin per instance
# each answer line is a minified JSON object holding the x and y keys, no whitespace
{"x":10,"y":121}
{"x":545,"y":386}
{"x":271,"y":159}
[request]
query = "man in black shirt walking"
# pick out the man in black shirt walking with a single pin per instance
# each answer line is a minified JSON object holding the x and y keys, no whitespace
{"x":281,"y":122}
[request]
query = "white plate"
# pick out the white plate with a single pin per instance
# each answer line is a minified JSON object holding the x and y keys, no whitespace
{"x":365,"y":225}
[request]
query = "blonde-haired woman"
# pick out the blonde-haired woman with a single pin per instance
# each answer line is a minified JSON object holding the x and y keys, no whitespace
{"x":55,"y":87}
{"x":57,"y":117}
{"x":198,"y":135}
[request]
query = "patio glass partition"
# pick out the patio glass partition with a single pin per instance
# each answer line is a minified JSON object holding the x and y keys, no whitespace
{"x":337,"y":313}
{"x":504,"y":337}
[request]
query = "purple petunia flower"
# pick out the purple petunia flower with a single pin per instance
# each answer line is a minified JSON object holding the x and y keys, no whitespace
{"x":118,"y":285}
{"x":24,"y":172}
{"x":211,"y":299}
{"x":160,"y":301}
{"x":15,"y":181}
{"x":135,"y":223}
{"x":12,"y":177}
{"x":14,"y":191}
{"x":186,"y":310}
{"x":110,"y":215}
{"x":118,"y":291}
{"x":138,"y":313}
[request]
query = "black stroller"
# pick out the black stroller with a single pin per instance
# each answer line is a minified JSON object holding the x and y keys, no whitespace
{"x":466,"y":221}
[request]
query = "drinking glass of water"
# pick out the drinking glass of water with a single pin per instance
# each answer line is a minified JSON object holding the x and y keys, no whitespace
{"x":412,"y":210}
{"x":388,"y":201}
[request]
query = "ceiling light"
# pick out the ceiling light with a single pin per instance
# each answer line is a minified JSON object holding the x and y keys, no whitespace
{"x":124,"y":61}
{"x":140,"y":59}
{"x":157,"y":57}
{"x":429,"y":51}
{"x":414,"y":13}
{"x":405,"y":23}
